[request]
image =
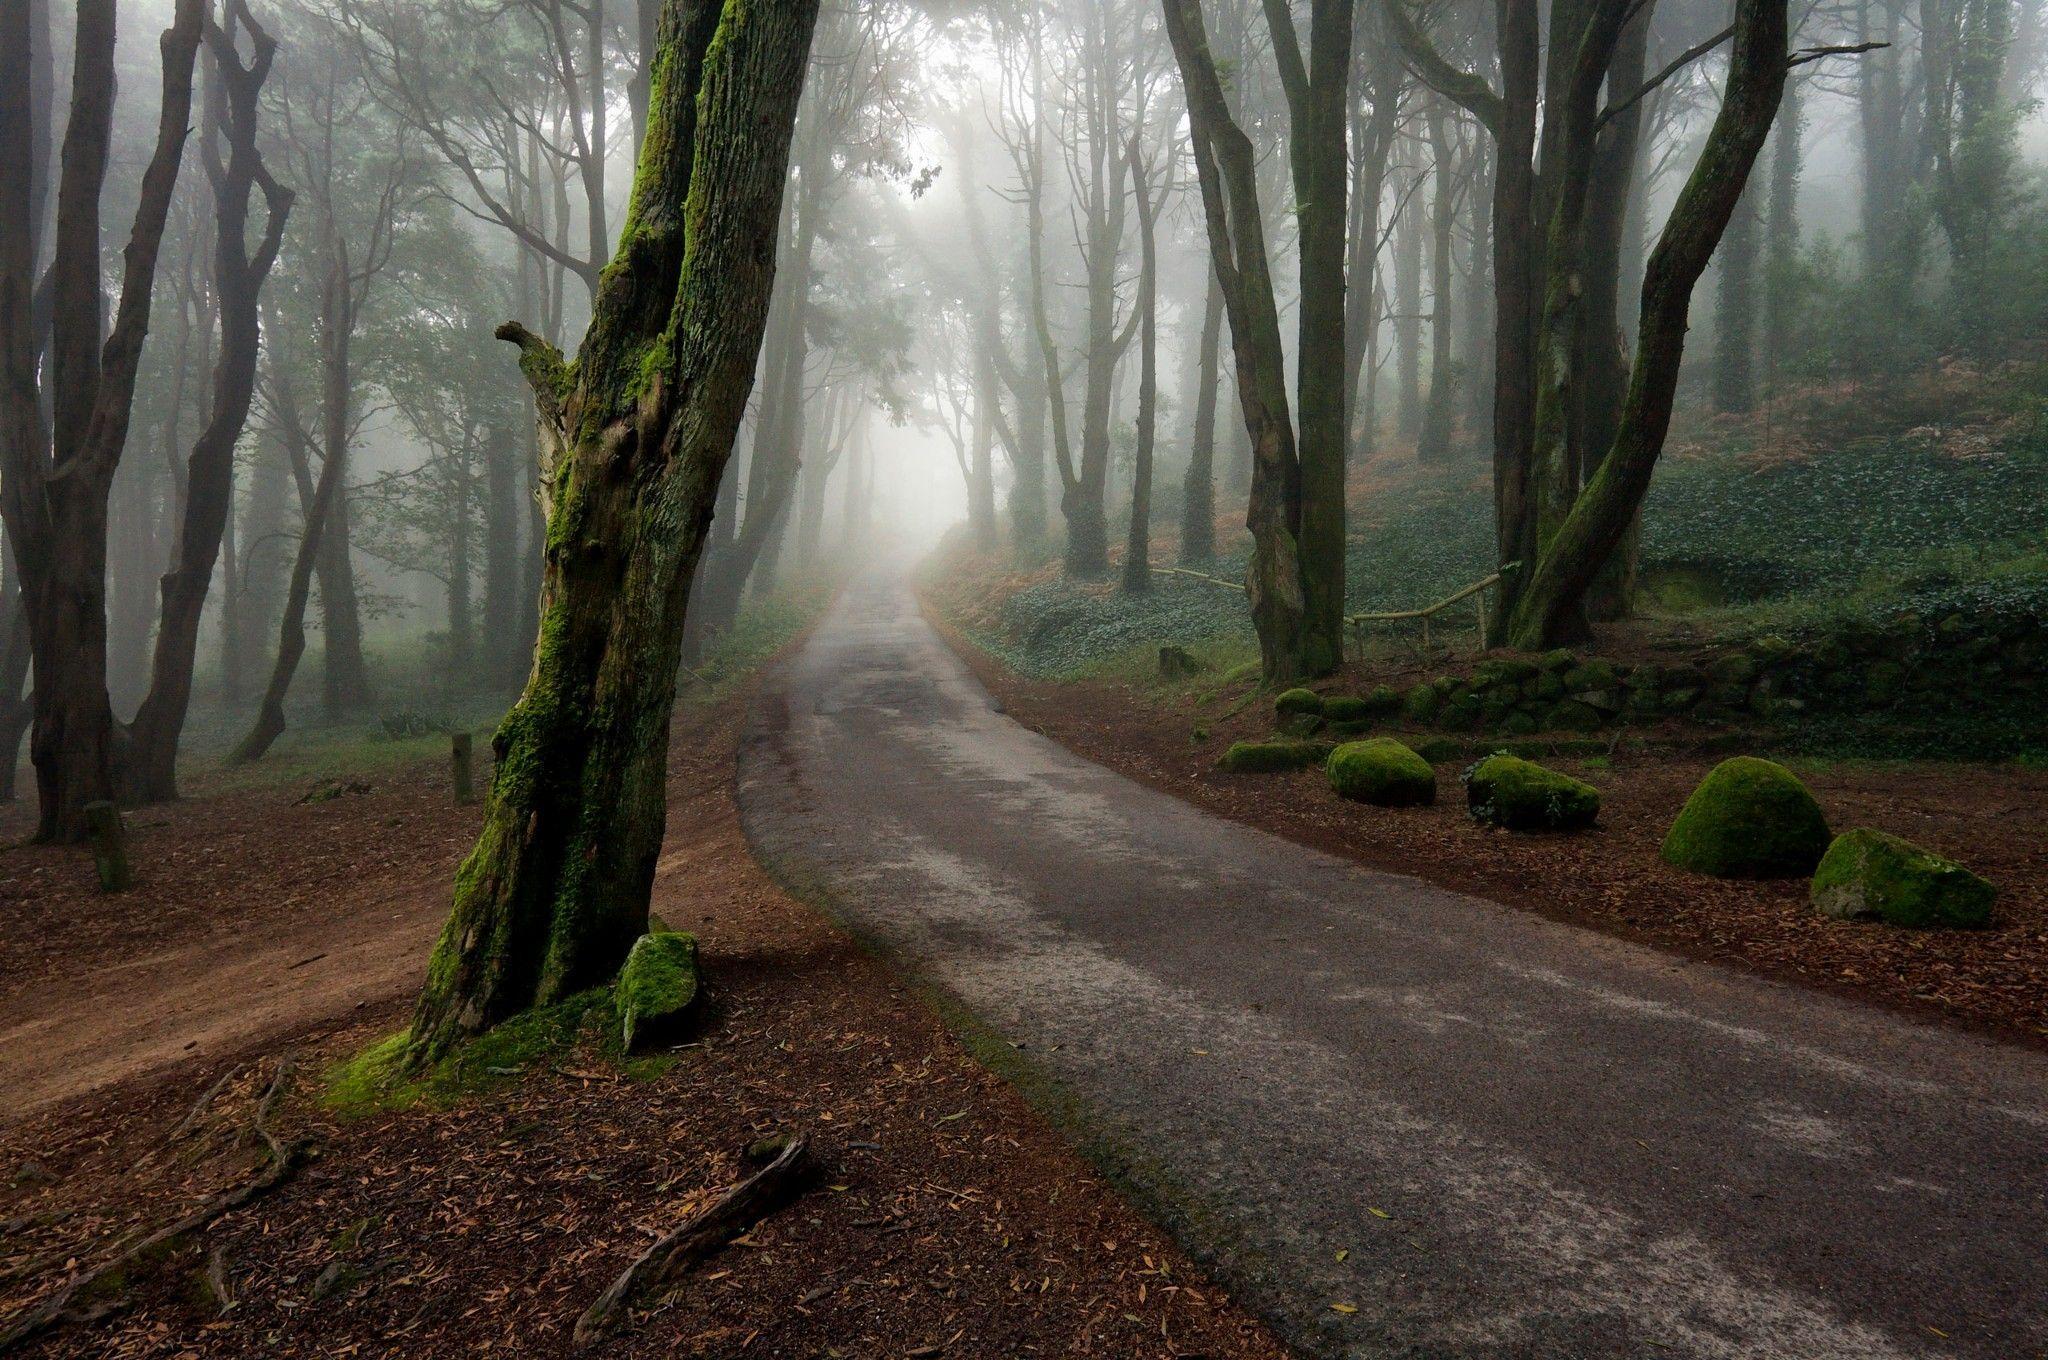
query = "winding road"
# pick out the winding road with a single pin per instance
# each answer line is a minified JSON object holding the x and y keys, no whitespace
{"x":1397,"y":1120}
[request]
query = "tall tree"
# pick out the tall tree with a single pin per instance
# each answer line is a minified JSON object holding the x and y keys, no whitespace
{"x":235,"y":170}
{"x":637,"y":437}
{"x":1296,"y":515}
{"x":55,"y":475}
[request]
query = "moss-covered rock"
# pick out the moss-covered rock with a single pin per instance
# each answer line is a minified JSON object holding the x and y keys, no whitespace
{"x":1559,"y":661}
{"x":1296,"y":702}
{"x":1272,"y":757}
{"x":1420,"y":703}
{"x":656,"y":988}
{"x":1749,"y":818}
{"x":1573,"y":716}
{"x":1383,"y":699}
{"x":1869,"y":875}
{"x":1382,"y":772}
{"x":1347,"y":708}
{"x":1507,"y":791}
{"x":1588,"y":676}
{"x":1502,"y":671}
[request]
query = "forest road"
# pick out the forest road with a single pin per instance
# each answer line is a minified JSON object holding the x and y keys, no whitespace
{"x":1398,"y":1120}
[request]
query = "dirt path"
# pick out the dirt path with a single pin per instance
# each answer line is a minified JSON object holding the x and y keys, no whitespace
{"x":255,"y":914}
{"x":1403,"y":1120}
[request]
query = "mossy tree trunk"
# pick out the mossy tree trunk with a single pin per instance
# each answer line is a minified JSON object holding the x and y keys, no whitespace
{"x":636,"y":437}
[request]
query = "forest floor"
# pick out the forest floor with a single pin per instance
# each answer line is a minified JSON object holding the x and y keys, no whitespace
{"x":1992,"y":818}
{"x":139,"y":1033}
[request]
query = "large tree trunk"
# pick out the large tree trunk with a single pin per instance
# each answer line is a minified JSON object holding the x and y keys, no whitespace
{"x":233,"y":90}
{"x":1735,"y":310}
{"x":55,"y":479}
{"x":557,"y":887}
{"x":1295,"y":579}
{"x":1603,"y":512}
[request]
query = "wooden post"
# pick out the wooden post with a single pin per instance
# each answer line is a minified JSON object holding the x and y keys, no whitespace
{"x":465,"y":784}
{"x":109,"y":846}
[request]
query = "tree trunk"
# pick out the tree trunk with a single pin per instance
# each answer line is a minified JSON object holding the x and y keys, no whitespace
{"x":557,"y":887}
{"x":345,"y":678}
{"x":233,"y":91}
{"x":55,"y":480}
{"x":1781,"y":235}
{"x":1198,"y":488}
{"x":1408,"y":309}
{"x":1433,"y":444}
{"x":505,"y":647}
{"x":1138,"y":542}
{"x":1735,"y":311}
{"x":1603,"y":512}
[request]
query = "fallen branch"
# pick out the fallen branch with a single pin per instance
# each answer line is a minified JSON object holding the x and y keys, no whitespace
{"x":280,"y":1162}
{"x":738,"y":1209}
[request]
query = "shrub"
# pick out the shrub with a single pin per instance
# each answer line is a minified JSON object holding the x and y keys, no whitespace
{"x":1749,"y":818}
{"x":1382,"y":772}
{"x":1520,"y":795}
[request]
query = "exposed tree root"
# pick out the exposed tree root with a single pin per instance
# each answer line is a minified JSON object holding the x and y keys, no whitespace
{"x":739,"y":1208}
{"x":63,"y":1306}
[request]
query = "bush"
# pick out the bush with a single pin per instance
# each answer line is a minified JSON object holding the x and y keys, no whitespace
{"x":1382,"y":772}
{"x":1870,"y":875}
{"x":1520,"y":795}
{"x":1272,"y":757}
{"x":1749,"y":818}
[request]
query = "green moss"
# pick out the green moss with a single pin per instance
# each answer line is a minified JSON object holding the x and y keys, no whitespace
{"x":1520,"y":795}
{"x":1296,"y":702}
{"x":1749,"y":818}
{"x":377,"y":1079}
{"x":1871,"y":875}
{"x":1382,"y":772}
{"x":657,"y":987}
{"x":1345,"y":708}
{"x":1272,"y":757}
{"x":1420,"y":703}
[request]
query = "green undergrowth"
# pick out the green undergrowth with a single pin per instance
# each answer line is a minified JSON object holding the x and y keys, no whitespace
{"x":585,"y":1025}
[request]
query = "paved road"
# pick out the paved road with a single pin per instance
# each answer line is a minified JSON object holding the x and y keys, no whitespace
{"x":1492,"y":1135}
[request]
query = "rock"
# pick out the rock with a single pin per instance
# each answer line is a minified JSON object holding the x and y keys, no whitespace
{"x":1178,"y":663}
{"x":1589,"y":676}
{"x":1606,"y":700}
{"x":657,"y":987}
{"x":1272,"y":757}
{"x":1735,"y":669}
{"x":1300,"y":724}
{"x":1869,"y":875}
{"x":1502,"y":671}
{"x":1520,"y":795}
{"x":1520,"y":724}
{"x":1346,"y":708}
{"x":1679,"y":700}
{"x":1383,"y":699}
{"x":1549,"y":686}
{"x":1559,"y":661}
{"x":1382,"y":772}
{"x":1749,"y":818}
{"x":1573,"y":716}
{"x":1420,"y":703}
{"x":1497,"y":704}
{"x":1298,"y":701}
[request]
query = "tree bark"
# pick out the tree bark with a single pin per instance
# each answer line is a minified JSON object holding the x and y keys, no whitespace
{"x":1137,"y":576}
{"x":637,"y":439}
{"x":233,"y":88}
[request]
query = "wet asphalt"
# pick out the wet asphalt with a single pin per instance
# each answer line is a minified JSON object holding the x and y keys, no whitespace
{"x":1396,"y":1120}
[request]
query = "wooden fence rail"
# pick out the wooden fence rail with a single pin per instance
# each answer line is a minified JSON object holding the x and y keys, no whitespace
{"x":1357,"y":623}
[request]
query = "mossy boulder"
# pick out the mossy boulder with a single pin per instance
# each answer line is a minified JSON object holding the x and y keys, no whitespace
{"x":1382,"y":772}
{"x":1749,"y":818}
{"x":1420,"y":703}
{"x":1869,"y":875}
{"x":656,"y":988}
{"x":1298,"y":702}
{"x":1346,"y":708}
{"x":1590,"y":676}
{"x":1272,"y":757}
{"x":1520,"y":795}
